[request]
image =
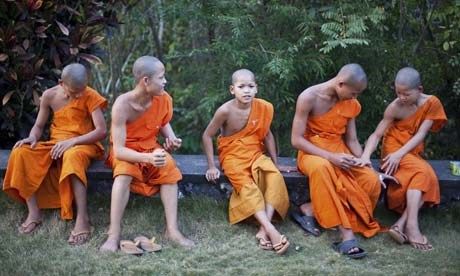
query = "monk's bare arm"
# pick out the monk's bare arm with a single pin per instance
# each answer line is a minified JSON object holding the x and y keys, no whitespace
{"x":213,"y":127}
{"x":303,"y":108}
{"x":374,"y":138}
{"x":99,"y":132}
{"x":171,"y":141}
{"x":119,"y":120}
{"x":269,"y":142}
{"x":391,"y":161}
{"x":40,"y":122}
{"x":351,"y":139}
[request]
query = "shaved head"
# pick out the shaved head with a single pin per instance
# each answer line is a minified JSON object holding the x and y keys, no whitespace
{"x":75,"y":76}
{"x":353,"y":74}
{"x":408,"y":77}
{"x":243,"y":74}
{"x":146,"y":66}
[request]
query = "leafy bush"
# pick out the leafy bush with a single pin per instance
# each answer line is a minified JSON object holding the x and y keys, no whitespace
{"x":37,"y":39}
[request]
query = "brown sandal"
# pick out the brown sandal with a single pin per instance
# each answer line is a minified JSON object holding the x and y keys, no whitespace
{"x":264,"y":244}
{"x":130,"y":247}
{"x":281,"y":247}
{"x":24,"y":228}
{"x":79,"y":238}
{"x":422,"y":246}
{"x":397,"y":235}
{"x":148,"y":245}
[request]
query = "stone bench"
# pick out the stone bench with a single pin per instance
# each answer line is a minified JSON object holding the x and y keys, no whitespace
{"x":193,"y":168}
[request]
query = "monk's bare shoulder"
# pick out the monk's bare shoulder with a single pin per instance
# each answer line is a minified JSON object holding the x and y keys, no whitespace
{"x":122,"y":106}
{"x":308,"y":96}
{"x":225,"y":109}
{"x":393,"y":109}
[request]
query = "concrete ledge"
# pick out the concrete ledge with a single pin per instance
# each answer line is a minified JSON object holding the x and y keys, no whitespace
{"x":193,"y":168}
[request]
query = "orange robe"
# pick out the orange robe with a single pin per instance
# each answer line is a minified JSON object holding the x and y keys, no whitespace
{"x":49,"y":179}
{"x":339,"y":197}
{"x":255,"y":179}
{"x":141,"y":136}
{"x":413,"y":171}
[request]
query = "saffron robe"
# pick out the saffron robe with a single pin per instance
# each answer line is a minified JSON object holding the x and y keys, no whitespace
{"x":339,"y":197}
{"x":32,"y":171}
{"x":255,"y":179}
{"x":141,"y":136}
{"x":413,"y":171}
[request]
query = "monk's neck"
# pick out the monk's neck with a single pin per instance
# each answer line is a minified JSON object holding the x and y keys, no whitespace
{"x":242,"y":106}
{"x":141,"y":97}
{"x":327,"y":91}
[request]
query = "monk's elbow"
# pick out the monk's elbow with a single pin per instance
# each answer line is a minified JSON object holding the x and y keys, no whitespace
{"x":103,"y":133}
{"x":295,"y":142}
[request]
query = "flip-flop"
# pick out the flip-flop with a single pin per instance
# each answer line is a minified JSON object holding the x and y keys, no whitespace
{"x":130,"y":247}
{"x":264,"y":244}
{"x":79,"y":238}
{"x":397,"y":235}
{"x":345,"y":247}
{"x":24,"y":228}
{"x":422,"y":246}
{"x":281,"y":247}
{"x":307,"y":223}
{"x":148,"y":245}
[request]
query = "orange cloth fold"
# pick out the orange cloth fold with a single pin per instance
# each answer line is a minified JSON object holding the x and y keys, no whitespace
{"x":32,"y":171}
{"x":141,"y":136}
{"x":413,"y":171}
{"x":255,"y":179}
{"x":338,"y":196}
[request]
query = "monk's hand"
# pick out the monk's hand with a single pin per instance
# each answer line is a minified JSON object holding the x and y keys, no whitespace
{"x":363,"y":162}
{"x":212,"y":174}
{"x":385,"y":178}
{"x":391,"y":163}
{"x":172,"y":144}
{"x":29,"y":140}
{"x":158,"y":158}
{"x":58,"y":150}
{"x":342,"y":160}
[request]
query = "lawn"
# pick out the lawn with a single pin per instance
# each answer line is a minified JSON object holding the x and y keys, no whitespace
{"x":221,"y":248}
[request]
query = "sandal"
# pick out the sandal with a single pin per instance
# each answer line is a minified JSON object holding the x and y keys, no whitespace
{"x":307,"y":223}
{"x":130,"y":247}
{"x":422,"y":246}
{"x":79,"y":238}
{"x":346,"y":246}
{"x":264,"y":243}
{"x":281,"y":247}
{"x":148,"y":245}
{"x":29,"y":228}
{"x":397,"y":235}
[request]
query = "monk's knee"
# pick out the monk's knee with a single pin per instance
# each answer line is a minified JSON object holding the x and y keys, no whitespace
{"x":74,"y":155}
{"x":320,"y":165}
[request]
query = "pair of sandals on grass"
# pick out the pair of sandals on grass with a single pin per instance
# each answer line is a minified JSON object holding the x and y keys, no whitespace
{"x":349,"y":248}
{"x":139,"y":246}
{"x":398,"y":236}
{"x":75,"y":238}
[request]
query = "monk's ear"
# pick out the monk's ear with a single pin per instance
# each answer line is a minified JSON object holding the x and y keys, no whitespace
{"x":230,"y":88}
{"x":420,"y":88}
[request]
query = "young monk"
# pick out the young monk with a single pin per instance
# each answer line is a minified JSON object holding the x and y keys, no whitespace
{"x":343,"y":195}
{"x":245,"y":136}
{"x":59,"y":172}
{"x":139,"y":162}
{"x":405,"y":124}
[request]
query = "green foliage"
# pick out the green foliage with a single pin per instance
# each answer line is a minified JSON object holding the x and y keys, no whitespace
{"x":37,"y":39}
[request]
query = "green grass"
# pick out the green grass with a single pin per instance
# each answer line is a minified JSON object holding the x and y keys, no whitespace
{"x":221,"y":249}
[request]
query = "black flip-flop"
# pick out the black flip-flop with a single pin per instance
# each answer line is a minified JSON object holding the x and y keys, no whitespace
{"x":307,"y":223}
{"x":345,"y":247}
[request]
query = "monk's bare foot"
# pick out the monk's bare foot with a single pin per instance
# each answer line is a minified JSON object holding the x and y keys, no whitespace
{"x":263,"y":239}
{"x":178,"y":238}
{"x":81,"y":232}
{"x":32,"y":222}
{"x":110,"y":245}
{"x":417,"y":239}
